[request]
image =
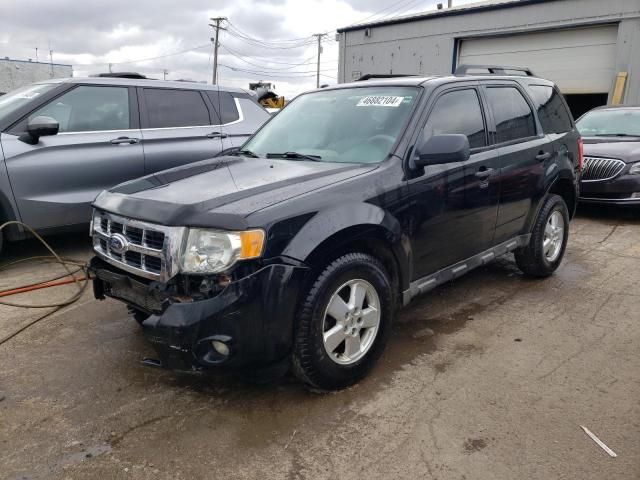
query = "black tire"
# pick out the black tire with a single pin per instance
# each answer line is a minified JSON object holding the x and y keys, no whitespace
{"x":138,"y":315}
{"x":1,"y":239}
{"x":532,"y":259}
{"x":311,"y":362}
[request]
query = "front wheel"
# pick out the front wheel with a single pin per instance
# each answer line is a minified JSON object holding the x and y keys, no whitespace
{"x":548,"y":240}
{"x":344,"y":322}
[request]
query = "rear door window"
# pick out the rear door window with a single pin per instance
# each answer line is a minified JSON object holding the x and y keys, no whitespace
{"x":226,"y":106}
{"x":458,"y":112}
{"x":175,"y":108}
{"x":512,"y":114}
{"x":89,"y":109}
{"x":552,"y":112}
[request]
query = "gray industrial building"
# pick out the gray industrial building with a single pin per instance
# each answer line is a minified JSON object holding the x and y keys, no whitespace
{"x":590,"y":48}
{"x":16,"y":73}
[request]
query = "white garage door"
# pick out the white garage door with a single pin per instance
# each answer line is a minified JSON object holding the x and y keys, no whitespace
{"x":580,"y":60}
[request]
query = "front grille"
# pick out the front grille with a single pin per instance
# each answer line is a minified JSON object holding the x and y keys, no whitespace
{"x":149,"y":250}
{"x":598,"y":169}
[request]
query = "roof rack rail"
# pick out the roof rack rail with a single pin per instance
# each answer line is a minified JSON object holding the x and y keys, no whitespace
{"x":372,"y":76}
{"x":134,"y":75}
{"x":494,"y":70}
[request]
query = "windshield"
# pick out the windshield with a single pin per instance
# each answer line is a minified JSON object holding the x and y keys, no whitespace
{"x":17,"y":98}
{"x":614,"y":122}
{"x":351,"y":125}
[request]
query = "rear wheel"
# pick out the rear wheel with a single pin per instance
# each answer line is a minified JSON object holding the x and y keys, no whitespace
{"x":344,"y":322}
{"x":548,"y":241}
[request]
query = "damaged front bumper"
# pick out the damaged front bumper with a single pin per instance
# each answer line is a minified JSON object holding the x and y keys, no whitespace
{"x":252,"y":316}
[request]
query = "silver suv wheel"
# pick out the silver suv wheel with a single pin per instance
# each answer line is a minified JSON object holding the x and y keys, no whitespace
{"x":553,"y":236}
{"x":351,"y":321}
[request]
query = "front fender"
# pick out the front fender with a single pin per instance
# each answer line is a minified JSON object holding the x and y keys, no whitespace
{"x":372,"y":227}
{"x":327,"y":223}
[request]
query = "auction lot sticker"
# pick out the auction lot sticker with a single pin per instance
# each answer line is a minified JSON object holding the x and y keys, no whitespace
{"x":380,"y":101}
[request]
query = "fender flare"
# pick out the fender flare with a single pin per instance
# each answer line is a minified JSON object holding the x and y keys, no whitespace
{"x":354,"y":220}
{"x":563,"y":174}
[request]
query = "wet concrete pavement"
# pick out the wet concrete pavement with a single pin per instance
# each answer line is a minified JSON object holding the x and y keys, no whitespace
{"x":488,"y":377}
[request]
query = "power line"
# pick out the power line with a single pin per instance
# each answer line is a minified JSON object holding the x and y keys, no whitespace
{"x":241,"y":56}
{"x":273,"y":74}
{"x":276,"y":41}
{"x":275,"y":45}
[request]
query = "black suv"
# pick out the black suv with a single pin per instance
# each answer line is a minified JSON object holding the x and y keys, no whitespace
{"x":298,"y":249}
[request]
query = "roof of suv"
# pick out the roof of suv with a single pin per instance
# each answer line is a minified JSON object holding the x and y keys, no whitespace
{"x":410,"y":81}
{"x":134,"y":82}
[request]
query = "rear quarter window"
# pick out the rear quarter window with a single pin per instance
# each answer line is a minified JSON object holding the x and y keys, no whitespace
{"x":554,"y":116}
{"x":225,"y":105}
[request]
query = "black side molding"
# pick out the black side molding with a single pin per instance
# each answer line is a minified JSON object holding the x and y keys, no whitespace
{"x":425,"y":284}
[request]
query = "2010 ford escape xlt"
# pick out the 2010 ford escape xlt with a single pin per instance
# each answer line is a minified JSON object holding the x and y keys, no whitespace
{"x":354,"y":199}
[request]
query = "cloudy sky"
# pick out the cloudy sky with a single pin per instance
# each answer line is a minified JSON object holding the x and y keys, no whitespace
{"x":264,"y":39}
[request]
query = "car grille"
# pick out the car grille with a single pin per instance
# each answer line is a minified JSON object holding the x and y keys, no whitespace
{"x":142,"y":248}
{"x":598,"y":169}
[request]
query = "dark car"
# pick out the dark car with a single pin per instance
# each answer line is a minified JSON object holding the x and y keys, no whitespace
{"x":350,"y":202}
{"x":64,"y":141}
{"x":612,"y":155}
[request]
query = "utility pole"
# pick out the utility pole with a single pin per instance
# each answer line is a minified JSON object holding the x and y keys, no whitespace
{"x":37,"y":60}
{"x":165,"y":73}
{"x":319,"y":36}
{"x":217,"y":28}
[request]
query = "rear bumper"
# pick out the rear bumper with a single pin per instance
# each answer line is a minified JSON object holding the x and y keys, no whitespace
{"x":622,"y":190}
{"x":252,"y":316}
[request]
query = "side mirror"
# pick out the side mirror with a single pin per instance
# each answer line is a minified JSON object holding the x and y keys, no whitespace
{"x":440,"y":149}
{"x":40,"y":126}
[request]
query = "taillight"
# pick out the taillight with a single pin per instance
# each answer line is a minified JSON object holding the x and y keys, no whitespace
{"x":580,"y":154}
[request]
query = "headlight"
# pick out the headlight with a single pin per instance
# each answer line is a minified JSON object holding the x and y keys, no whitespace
{"x":210,"y":251}
{"x":635,"y":168}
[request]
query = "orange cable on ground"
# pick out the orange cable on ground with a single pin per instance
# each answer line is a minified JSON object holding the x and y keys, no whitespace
{"x":37,"y":286}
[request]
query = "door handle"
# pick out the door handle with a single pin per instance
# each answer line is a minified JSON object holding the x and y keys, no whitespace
{"x":484,"y":172}
{"x":542,"y":156}
{"x":217,"y":135}
{"x":121,"y":140}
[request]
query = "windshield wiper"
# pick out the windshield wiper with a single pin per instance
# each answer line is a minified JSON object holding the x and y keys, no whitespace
{"x":248,"y":153}
{"x":315,"y":158}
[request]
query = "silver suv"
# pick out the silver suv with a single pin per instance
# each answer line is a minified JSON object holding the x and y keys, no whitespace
{"x":64,"y":141}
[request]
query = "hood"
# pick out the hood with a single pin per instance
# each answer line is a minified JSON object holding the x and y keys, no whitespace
{"x":221,"y":192}
{"x":623,"y":149}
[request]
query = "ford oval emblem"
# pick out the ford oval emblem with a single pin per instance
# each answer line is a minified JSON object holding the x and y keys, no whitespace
{"x":118,"y":244}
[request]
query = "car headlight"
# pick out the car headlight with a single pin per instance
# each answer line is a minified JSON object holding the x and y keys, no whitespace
{"x":210,"y":251}
{"x":635,"y":168}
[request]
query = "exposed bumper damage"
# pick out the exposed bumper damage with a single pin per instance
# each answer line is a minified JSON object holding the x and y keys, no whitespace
{"x":252,"y":317}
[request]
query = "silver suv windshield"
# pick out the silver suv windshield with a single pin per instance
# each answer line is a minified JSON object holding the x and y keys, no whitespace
{"x":17,"y":98}
{"x":618,"y":122}
{"x":351,"y":125}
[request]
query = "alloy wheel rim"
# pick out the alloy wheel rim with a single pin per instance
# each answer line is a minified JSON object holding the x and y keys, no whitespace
{"x":351,"y":321}
{"x":553,"y":236}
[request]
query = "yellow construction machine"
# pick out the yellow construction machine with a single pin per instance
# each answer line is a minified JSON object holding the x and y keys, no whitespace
{"x":266,"y":95}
